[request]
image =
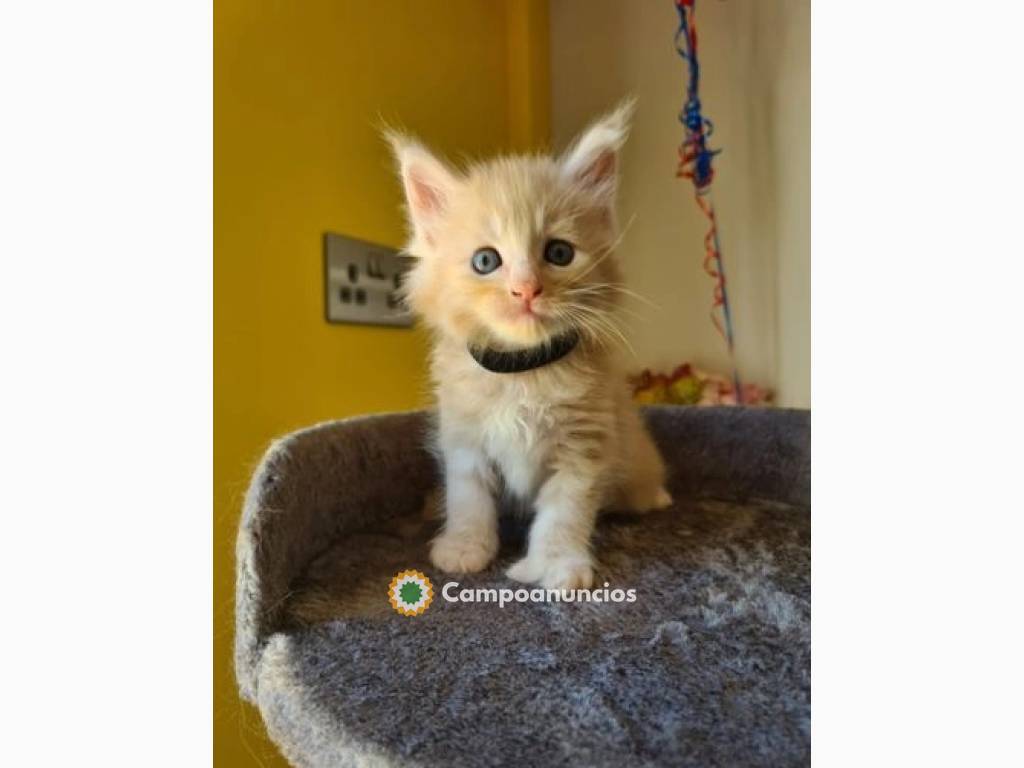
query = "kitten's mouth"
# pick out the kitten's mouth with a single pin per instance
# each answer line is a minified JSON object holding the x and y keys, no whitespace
{"x":523,"y":312}
{"x":519,"y":326}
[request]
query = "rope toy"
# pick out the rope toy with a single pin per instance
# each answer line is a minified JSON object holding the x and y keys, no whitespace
{"x":695,"y":163}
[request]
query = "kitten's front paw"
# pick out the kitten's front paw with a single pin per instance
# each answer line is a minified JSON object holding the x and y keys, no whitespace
{"x":662,"y":499}
{"x":562,"y":572}
{"x":463,"y":553}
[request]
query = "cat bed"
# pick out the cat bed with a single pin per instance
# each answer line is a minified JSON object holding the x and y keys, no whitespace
{"x":710,"y":665}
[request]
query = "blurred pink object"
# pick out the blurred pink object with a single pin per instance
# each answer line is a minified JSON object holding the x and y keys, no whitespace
{"x":718,"y":390}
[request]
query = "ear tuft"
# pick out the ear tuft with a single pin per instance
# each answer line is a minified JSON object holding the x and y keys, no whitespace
{"x":428,"y":182}
{"x":593,"y":159}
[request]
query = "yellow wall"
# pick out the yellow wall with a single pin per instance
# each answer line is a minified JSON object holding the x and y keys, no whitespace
{"x":299,"y":88}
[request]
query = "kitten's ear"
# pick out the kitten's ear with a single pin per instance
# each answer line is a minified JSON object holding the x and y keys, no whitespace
{"x":428,"y":183}
{"x":592,"y":162}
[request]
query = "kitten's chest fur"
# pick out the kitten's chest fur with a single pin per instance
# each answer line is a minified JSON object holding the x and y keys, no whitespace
{"x":519,"y":434}
{"x":518,"y":421}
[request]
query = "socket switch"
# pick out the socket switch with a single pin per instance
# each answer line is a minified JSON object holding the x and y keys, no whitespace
{"x":361,"y":282}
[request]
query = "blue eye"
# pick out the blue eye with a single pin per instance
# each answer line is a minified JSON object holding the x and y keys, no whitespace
{"x":559,"y":253}
{"x":485,"y":261}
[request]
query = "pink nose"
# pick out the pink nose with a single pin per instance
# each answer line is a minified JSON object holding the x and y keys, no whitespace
{"x":527,"y":291}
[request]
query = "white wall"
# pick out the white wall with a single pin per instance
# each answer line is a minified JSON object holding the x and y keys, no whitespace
{"x":755,"y":87}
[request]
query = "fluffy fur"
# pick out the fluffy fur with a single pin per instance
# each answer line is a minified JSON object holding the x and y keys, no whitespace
{"x":565,"y":438}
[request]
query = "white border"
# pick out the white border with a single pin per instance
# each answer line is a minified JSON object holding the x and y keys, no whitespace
{"x":105,"y":316}
{"x":916,"y":168}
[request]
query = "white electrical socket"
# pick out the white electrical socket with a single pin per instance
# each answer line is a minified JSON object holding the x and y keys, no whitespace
{"x":361,"y":282}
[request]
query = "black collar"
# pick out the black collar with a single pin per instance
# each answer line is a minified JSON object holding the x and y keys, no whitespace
{"x":519,"y":360}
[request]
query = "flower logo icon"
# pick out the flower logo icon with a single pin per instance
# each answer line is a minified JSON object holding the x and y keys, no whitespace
{"x":410,"y":593}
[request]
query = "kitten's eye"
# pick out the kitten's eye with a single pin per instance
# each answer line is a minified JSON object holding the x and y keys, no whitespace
{"x":486,"y":260}
{"x":559,"y":253}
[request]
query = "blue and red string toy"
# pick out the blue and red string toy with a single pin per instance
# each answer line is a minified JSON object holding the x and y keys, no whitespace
{"x":695,"y":163}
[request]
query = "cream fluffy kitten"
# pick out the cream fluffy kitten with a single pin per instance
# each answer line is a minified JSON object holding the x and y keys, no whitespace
{"x":515,"y":262}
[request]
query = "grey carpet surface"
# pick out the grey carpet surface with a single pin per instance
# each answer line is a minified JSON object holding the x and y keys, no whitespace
{"x":709,"y":666}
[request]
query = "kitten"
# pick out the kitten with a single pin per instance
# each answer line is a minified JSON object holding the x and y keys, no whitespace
{"x":517,"y":278}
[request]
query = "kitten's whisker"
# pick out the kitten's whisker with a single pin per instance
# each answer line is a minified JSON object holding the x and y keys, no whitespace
{"x":605,"y":252}
{"x":634,"y":295}
{"x":606,"y":302}
{"x":603,"y":321}
{"x":618,"y":334}
{"x":619,"y":288}
{"x":587,"y":324}
{"x":611,"y":307}
{"x":602,"y":254}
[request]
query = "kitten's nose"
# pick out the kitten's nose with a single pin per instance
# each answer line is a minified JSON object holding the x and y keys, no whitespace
{"x":527,"y":290}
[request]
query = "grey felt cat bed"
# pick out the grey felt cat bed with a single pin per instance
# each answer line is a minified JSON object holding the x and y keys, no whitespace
{"x":709,"y":666}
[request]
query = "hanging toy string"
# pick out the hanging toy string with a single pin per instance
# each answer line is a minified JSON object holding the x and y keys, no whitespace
{"x":695,"y":163}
